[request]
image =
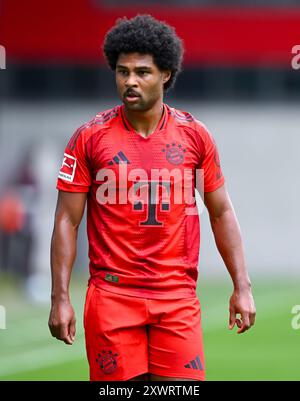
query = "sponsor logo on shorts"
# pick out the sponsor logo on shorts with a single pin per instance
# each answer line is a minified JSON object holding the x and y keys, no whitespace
{"x":194,"y":364}
{"x":107,"y":361}
{"x":111,"y":278}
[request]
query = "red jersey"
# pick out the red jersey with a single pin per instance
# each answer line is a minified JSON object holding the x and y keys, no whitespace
{"x":142,"y":219}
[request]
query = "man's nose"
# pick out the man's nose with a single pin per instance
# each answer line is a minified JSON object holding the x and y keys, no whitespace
{"x":131,"y":80}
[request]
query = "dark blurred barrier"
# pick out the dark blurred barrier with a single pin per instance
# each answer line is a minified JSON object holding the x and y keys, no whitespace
{"x":23,"y":82}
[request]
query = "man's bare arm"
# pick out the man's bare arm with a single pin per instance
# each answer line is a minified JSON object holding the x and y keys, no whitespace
{"x":68,"y":215}
{"x":228,"y":239}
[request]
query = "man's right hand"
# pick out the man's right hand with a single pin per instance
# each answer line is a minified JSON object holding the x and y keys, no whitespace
{"x":62,"y":321}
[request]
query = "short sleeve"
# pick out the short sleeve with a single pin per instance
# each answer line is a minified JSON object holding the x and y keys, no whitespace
{"x":74,"y":174}
{"x":212,"y":172}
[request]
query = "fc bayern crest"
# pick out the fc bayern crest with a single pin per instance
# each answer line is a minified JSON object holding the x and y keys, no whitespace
{"x":107,"y":361}
{"x":174,"y":153}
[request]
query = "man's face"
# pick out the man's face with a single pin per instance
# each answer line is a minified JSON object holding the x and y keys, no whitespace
{"x":139,"y":81}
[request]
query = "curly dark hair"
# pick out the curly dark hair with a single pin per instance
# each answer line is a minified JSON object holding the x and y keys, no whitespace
{"x":146,"y":35}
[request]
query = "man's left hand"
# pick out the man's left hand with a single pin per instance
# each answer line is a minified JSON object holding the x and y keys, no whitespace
{"x":242,"y":303}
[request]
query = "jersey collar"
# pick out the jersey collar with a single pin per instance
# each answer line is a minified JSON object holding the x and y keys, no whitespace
{"x":161,"y":125}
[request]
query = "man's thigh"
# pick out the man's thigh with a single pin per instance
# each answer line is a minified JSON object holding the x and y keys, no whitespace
{"x":175,"y":345}
{"x":116,"y":339}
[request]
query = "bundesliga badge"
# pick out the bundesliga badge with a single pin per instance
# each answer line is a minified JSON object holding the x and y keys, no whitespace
{"x":68,"y":167}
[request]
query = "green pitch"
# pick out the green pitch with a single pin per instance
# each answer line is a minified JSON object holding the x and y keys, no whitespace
{"x":269,"y":351}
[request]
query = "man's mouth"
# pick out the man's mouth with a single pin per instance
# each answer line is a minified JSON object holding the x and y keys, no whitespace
{"x":131,"y":95}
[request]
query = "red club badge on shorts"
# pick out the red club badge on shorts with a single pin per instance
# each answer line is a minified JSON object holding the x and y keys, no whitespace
{"x":107,"y":361}
{"x":68,"y":167}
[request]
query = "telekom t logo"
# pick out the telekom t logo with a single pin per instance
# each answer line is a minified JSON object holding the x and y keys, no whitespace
{"x":2,"y":58}
{"x":150,"y":192}
{"x":152,"y":188}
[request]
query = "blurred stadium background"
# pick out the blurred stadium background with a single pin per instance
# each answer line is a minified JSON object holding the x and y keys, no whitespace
{"x":239,"y":81}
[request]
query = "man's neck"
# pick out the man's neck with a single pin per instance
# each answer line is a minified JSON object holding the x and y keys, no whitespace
{"x":145,"y":122}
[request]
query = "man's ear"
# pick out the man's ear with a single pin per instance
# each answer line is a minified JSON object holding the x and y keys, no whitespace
{"x":166,"y":76}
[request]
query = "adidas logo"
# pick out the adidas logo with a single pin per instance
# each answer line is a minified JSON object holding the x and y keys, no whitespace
{"x":119,"y":158}
{"x":194,"y":364}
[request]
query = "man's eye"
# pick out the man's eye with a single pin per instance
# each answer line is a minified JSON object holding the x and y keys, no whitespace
{"x":143,"y":72}
{"x":122,"y":72}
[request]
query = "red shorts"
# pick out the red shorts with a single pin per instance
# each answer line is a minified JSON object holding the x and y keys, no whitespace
{"x":128,"y":336}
